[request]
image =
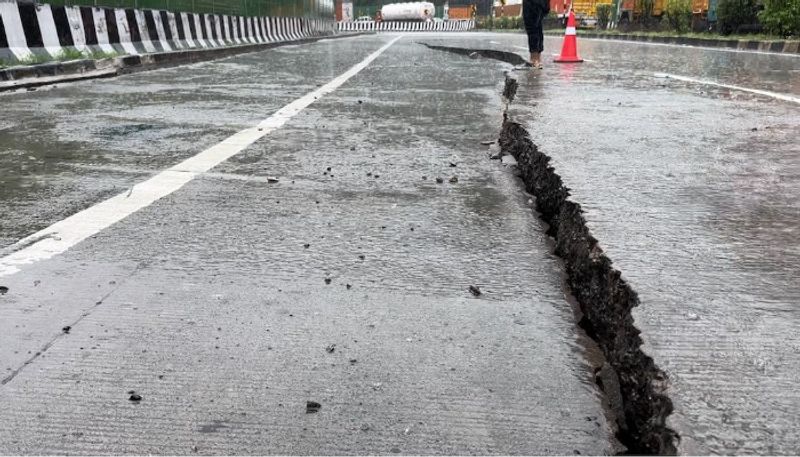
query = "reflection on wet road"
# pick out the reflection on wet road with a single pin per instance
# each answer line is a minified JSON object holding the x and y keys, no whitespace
{"x":693,"y":191}
{"x":325,"y":263}
{"x":331,"y":261}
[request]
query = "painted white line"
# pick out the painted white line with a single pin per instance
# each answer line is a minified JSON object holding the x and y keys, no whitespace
{"x":64,"y":234}
{"x":775,"y":95}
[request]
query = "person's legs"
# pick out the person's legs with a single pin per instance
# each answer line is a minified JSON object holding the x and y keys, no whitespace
{"x":529,"y":12}
{"x":536,"y":37}
{"x":540,"y":37}
{"x":533,"y":46}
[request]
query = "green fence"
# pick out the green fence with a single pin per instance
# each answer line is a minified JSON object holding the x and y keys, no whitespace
{"x":294,"y":8}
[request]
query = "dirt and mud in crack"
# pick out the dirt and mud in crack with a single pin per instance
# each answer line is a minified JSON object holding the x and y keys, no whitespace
{"x":635,"y":387}
{"x":503,"y":56}
{"x":604,"y":298}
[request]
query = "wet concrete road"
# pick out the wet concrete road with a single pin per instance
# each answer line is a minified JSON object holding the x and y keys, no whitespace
{"x":693,"y":191}
{"x":232,"y":302}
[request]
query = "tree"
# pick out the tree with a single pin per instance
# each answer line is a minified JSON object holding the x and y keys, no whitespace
{"x":781,"y":17}
{"x":733,"y":14}
{"x":645,"y":9}
{"x":603,"y":15}
{"x":679,"y":15}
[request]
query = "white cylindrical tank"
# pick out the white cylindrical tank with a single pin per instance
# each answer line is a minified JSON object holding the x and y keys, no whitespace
{"x":414,"y":11}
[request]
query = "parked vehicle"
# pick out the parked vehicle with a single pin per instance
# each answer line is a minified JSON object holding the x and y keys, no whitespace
{"x":414,"y":11}
{"x":632,"y":10}
{"x":628,"y":10}
{"x":705,"y":10}
{"x":461,"y":12}
{"x":585,"y":10}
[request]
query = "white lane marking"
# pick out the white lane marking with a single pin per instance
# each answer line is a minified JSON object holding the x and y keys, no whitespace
{"x":64,"y":234}
{"x":784,"y":97}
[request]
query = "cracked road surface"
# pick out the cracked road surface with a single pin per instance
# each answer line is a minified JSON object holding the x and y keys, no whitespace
{"x":322,"y":263}
{"x":326,"y":263}
{"x":693,"y":191}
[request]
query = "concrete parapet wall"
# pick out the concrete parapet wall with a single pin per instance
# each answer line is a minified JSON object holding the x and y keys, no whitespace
{"x":32,"y":33}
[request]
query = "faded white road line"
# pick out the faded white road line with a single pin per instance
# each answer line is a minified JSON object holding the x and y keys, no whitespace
{"x":64,"y":234}
{"x":784,"y":97}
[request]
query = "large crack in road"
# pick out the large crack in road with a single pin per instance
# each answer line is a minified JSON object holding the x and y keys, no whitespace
{"x":604,"y":297}
{"x":257,"y":297}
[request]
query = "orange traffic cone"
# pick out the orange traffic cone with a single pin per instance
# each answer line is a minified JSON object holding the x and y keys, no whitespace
{"x":569,"y":51}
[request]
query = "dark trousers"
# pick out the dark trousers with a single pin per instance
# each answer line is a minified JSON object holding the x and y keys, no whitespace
{"x":532,"y":16}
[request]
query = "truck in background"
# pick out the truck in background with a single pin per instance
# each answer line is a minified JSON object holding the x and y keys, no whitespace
{"x":412,"y":11}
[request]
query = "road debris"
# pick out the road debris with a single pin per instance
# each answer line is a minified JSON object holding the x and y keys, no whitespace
{"x":508,"y":160}
{"x":312,"y":407}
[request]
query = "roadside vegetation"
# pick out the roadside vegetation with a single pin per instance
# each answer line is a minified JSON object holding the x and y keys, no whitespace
{"x":63,"y":56}
{"x":501,"y":23}
{"x":736,"y":19}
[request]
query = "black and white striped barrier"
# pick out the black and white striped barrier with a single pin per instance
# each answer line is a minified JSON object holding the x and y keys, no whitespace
{"x":405,"y":26}
{"x":29,"y":30}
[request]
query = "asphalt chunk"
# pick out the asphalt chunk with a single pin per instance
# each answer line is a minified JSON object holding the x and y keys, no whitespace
{"x":312,"y":407}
